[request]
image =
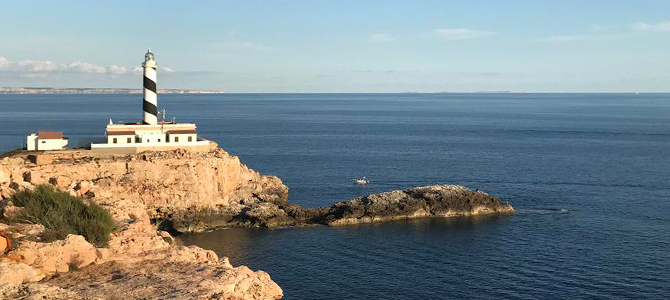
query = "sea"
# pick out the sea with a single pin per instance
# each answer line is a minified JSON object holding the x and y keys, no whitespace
{"x":589,"y":175}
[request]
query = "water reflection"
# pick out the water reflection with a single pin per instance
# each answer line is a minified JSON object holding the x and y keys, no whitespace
{"x":241,"y":245}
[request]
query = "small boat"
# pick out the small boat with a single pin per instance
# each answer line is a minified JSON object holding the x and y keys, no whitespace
{"x":362,"y":180}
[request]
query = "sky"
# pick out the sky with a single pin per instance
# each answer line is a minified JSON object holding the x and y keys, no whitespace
{"x":341,"y":45}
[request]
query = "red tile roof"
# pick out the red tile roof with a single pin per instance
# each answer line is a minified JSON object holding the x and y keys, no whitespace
{"x":120,"y":132}
{"x":187,"y":131}
{"x":50,"y":135}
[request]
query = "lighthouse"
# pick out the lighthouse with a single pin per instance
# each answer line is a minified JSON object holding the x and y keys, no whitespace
{"x":150,"y":101}
{"x":150,"y":134}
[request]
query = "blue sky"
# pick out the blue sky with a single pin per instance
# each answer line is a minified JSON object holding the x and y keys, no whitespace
{"x":341,"y":46}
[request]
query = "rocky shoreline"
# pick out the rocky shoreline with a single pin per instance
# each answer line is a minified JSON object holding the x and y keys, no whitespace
{"x":151,"y":193}
{"x":419,"y":202}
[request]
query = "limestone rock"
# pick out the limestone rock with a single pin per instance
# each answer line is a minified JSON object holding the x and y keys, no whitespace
{"x":58,"y":256}
{"x":185,"y":280}
{"x":159,"y":184}
{"x":141,"y":261}
{"x":5,"y":192}
{"x":9,"y":210}
{"x":40,"y":159}
{"x":5,"y":243}
{"x":82,"y":188}
{"x":12,"y":272}
{"x":21,"y":185}
{"x":36,"y":291}
{"x":4,"y":175}
{"x":429,"y":201}
{"x":60,"y":181}
{"x":420,"y":202}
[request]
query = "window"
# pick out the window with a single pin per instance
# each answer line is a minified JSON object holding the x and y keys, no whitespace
{"x":176,"y":139}
{"x":130,"y":140}
{"x":159,"y":140}
{"x":44,"y":142}
{"x":114,"y":140}
{"x":138,"y":140}
{"x":190,"y":138}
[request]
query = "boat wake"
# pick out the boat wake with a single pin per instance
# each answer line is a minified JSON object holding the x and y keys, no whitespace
{"x":547,"y":211}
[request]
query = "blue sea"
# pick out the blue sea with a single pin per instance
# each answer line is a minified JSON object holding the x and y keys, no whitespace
{"x":588,"y":173}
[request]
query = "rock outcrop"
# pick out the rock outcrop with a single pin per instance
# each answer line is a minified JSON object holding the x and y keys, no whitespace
{"x":420,"y":202}
{"x":141,"y":261}
{"x":146,"y":186}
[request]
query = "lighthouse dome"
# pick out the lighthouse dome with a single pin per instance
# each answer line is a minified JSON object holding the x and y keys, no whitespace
{"x":149,"y":55}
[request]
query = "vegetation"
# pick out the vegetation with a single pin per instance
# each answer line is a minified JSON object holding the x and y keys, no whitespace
{"x":62,"y":214}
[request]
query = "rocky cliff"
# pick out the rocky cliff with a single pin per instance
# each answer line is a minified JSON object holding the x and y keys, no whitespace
{"x":151,"y":185}
{"x":187,"y":192}
{"x":141,"y":261}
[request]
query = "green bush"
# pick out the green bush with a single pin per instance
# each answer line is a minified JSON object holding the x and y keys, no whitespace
{"x":63,"y":214}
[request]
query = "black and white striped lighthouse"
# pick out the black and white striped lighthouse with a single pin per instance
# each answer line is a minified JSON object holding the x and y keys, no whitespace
{"x":150,"y":102}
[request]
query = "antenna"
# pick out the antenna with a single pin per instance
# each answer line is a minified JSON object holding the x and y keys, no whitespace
{"x":163,"y":115}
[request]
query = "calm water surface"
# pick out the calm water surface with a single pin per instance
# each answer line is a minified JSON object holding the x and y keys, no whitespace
{"x":589,"y":174}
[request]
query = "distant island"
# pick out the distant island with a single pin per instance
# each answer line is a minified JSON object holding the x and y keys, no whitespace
{"x":51,"y":90}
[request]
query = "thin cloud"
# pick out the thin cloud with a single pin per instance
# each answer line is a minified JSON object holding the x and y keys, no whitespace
{"x":39,"y":68}
{"x":451,"y":34}
{"x":82,"y":67}
{"x":117,"y":70}
{"x":657,"y":27}
{"x":381,"y":38}
{"x":33,"y":66}
{"x":600,"y":31}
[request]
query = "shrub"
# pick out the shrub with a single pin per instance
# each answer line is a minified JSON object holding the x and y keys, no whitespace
{"x":62,"y":214}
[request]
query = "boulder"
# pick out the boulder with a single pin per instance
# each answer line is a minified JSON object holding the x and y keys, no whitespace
{"x":59,"y":256}
{"x":17,"y":273}
{"x":5,"y":176}
{"x":6,"y":192}
{"x":5,"y":242}
{"x":60,"y":181}
{"x":10,"y":211}
{"x":82,"y":188}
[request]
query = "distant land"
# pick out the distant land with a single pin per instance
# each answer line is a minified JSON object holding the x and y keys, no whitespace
{"x":50,"y":90}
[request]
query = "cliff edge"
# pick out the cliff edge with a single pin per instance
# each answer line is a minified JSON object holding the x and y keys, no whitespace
{"x":141,"y":260}
{"x":151,"y":193}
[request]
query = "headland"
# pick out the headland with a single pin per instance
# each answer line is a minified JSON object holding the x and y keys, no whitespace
{"x":154,"y":192}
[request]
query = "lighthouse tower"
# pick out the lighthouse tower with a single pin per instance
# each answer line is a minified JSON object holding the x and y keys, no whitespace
{"x":150,"y":102}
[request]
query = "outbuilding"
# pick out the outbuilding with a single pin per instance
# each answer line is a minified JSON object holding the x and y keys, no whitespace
{"x":46,"y":140}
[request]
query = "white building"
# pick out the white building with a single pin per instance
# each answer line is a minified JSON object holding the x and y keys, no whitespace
{"x":46,"y":140}
{"x":151,"y":134}
{"x":161,"y":136}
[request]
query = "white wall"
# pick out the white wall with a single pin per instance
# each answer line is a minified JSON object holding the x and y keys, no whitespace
{"x":121,"y":139}
{"x":51,"y":144}
{"x":144,"y":145}
{"x":31,"y":143}
{"x":153,"y":138}
{"x":180,"y":138}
